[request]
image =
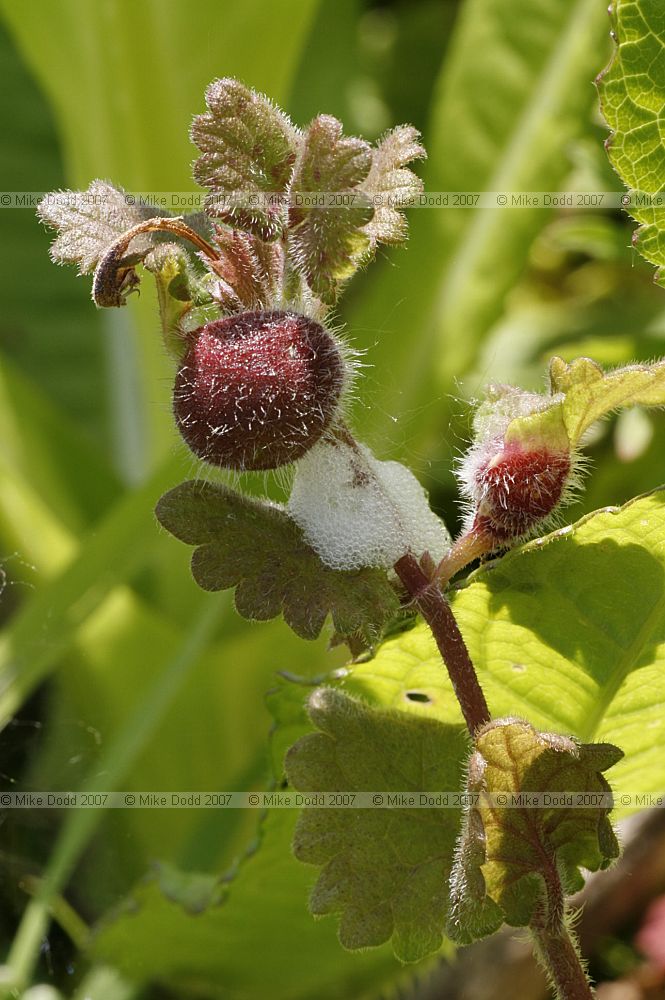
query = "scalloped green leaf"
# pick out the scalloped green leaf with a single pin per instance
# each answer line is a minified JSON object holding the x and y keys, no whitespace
{"x":326,"y":241}
{"x":255,"y":547}
{"x":248,"y":149}
{"x":567,"y":631}
{"x":592,"y":393}
{"x":632,"y":94}
{"x":154,"y":934}
{"x":509,"y":859}
{"x":384,"y":870}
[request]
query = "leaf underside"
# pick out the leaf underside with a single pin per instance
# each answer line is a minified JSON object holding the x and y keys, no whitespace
{"x":89,"y":221}
{"x":510,"y":859}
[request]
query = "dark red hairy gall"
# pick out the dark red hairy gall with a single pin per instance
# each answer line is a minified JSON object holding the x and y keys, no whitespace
{"x":518,"y":489}
{"x":256,"y":390}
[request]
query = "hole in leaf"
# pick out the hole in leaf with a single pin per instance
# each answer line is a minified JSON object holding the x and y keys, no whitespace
{"x":418,"y":696}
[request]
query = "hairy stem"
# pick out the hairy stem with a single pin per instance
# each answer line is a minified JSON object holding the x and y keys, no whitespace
{"x":554,"y":943}
{"x":436,"y":611}
{"x":559,"y":956}
{"x":469,"y":546}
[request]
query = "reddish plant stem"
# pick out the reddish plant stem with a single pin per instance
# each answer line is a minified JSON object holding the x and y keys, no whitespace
{"x":552,"y":938}
{"x":554,"y":943}
{"x":469,"y":546}
{"x":559,"y":956}
{"x":436,"y":611}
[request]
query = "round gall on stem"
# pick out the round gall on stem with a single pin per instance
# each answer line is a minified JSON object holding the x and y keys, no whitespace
{"x":256,"y":390}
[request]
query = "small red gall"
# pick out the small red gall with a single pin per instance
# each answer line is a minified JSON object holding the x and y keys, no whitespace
{"x":256,"y":390}
{"x":518,"y":489}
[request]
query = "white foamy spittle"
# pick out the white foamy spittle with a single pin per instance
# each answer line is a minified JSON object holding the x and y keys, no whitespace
{"x":356,"y":511}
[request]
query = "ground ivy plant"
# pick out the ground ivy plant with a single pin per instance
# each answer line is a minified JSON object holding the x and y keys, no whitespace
{"x":540,"y":643}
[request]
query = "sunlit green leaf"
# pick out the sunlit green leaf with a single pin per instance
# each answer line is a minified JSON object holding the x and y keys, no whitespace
{"x":568,"y":632}
{"x":632,"y":92}
{"x":588,"y":394}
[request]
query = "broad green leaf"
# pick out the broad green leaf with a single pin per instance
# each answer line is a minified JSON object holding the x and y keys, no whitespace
{"x":135,"y":102}
{"x":115,"y":761}
{"x":321,"y":83}
{"x":211,"y":737}
{"x":47,"y":327}
{"x":509,"y":859}
{"x":152,"y":937}
{"x":326,"y":242}
{"x":248,"y":149}
{"x":104,"y":983}
{"x":592,"y":393}
{"x":632,"y":93}
{"x":42,"y":447}
{"x":567,"y":631}
{"x":46,"y":626}
{"x":535,"y":59}
{"x":384,"y":870}
{"x":256,"y":547}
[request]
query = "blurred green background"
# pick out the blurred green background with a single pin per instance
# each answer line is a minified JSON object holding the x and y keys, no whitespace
{"x":115,"y":671}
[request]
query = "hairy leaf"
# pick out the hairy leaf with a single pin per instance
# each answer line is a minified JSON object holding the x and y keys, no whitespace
{"x":248,"y":149}
{"x":384,"y":870}
{"x":632,"y":92}
{"x":154,"y":934}
{"x":255,"y":547}
{"x":300,"y":958}
{"x":592,"y":393}
{"x":390,"y":178}
{"x":588,"y":394}
{"x":326,"y":241}
{"x":88,"y":222}
{"x":510,"y":858}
